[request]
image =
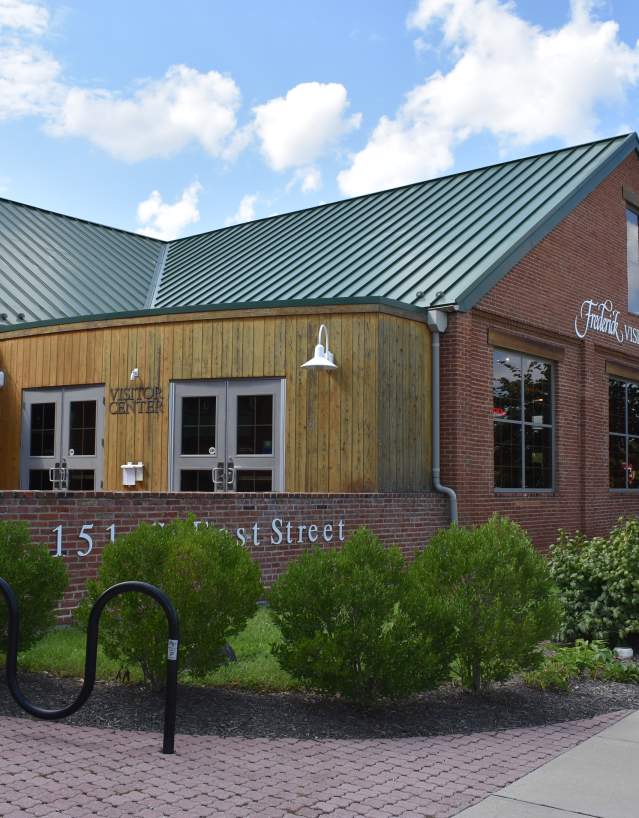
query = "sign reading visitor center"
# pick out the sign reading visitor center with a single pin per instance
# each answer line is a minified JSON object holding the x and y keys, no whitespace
{"x":135,"y":400}
{"x":602,"y":317}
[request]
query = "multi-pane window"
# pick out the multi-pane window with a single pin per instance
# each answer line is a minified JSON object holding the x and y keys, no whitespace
{"x":255,"y":424}
{"x":42,"y":443}
{"x":623,"y":418}
{"x":82,"y":427}
{"x":522,"y":413}
{"x":198,"y":424}
{"x":632,"y":238}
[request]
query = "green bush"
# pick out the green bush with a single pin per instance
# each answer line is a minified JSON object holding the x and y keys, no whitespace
{"x":489,"y":589}
{"x":343,"y":626}
{"x":210,"y":578}
{"x":38,"y":579}
{"x":590,"y":660}
{"x":598,"y":580}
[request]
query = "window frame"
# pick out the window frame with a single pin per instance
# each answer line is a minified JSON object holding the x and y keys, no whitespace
{"x":522,"y":423}
{"x":625,"y":435}
{"x":633,"y":307}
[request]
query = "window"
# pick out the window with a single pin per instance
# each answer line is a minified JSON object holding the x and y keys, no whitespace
{"x":522,"y":413}
{"x":623,"y":422}
{"x":632,"y":238}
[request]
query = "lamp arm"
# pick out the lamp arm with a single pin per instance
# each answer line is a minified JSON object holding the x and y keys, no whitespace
{"x":319,"y":335}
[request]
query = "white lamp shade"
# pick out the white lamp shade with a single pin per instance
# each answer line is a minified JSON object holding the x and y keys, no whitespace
{"x":322,"y":358}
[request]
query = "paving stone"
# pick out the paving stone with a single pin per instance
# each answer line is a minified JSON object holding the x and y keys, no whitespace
{"x":55,"y":769}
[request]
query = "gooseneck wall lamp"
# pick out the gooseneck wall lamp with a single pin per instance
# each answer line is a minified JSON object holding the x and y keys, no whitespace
{"x":323,"y":357}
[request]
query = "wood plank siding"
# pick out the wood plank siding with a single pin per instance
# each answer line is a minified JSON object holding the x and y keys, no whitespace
{"x":362,"y":427}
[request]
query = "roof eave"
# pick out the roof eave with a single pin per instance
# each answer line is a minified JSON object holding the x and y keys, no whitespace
{"x":316,"y":303}
{"x":470,"y":297}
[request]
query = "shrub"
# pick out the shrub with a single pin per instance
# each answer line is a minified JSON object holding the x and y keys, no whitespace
{"x":590,"y":660}
{"x":492,"y":591}
{"x":38,"y":579}
{"x":210,"y":578}
{"x":343,"y":626}
{"x":598,"y":581}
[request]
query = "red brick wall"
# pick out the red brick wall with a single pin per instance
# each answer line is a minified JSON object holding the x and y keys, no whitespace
{"x":408,"y":520}
{"x":583,"y":257}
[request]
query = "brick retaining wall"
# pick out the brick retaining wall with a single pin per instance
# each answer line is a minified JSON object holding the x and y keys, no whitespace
{"x":408,"y":520}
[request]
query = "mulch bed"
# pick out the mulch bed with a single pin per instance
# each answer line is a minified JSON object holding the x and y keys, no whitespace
{"x":230,"y":712}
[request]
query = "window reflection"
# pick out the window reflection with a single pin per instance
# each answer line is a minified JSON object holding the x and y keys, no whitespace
{"x":632,"y":251}
{"x":507,"y":385}
{"x":623,"y":419}
{"x":522,"y":413}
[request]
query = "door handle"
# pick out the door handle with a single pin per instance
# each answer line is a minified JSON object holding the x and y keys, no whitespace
{"x":230,"y":473}
{"x":217,"y":475}
{"x":59,"y":476}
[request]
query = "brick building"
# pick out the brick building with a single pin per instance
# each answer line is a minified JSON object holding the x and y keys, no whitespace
{"x":483,"y":332}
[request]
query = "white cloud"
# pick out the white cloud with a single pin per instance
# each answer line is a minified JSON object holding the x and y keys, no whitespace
{"x":245,"y":211}
{"x":162,"y":116}
{"x":166,"y":221}
{"x":513,"y":79}
{"x":159,"y":119}
{"x":296,"y":129}
{"x":28,"y":81}
{"x":311,"y":180}
{"x":308,"y":179}
{"x":29,"y":17}
{"x":29,"y":76}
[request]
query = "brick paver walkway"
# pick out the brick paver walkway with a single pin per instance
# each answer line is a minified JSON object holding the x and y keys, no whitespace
{"x":51,"y":769}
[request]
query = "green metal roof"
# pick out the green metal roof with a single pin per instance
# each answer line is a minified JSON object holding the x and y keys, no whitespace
{"x":443,"y":242}
{"x":54,"y":266}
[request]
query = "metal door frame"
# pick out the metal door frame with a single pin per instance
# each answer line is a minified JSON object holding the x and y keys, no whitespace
{"x":271,"y":462}
{"x":229,"y":386}
{"x":84,"y":462}
{"x":179,"y":461}
{"x":62,"y":396}
{"x":28,"y":462}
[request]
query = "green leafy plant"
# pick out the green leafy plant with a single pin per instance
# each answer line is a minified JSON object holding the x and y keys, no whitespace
{"x":590,"y":660}
{"x":344,"y":629}
{"x":210,"y":578}
{"x":598,"y":580}
{"x":489,"y":589}
{"x":38,"y":579}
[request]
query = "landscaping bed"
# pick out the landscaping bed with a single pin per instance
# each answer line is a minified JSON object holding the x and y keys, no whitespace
{"x":358,"y":624}
{"x":294,"y":714}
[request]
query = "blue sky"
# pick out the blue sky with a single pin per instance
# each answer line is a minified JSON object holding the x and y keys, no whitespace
{"x":178,"y":118}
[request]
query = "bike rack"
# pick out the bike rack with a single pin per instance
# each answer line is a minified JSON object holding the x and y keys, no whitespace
{"x":91,"y":655}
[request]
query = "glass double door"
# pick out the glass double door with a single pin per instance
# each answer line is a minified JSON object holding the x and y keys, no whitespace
{"x":62,"y":440}
{"x":227,"y":435}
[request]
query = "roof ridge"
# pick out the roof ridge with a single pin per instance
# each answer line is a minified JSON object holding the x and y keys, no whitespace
{"x":156,"y":281}
{"x":387,"y":190}
{"x":80,"y":219}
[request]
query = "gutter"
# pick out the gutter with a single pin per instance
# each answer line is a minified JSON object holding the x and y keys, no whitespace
{"x":437,"y":323}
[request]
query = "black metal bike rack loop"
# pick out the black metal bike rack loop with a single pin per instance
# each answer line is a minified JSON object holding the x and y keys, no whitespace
{"x":91,"y":655}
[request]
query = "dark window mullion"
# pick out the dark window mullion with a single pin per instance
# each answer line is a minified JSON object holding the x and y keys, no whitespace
{"x":627,"y":452}
{"x":523,"y":426}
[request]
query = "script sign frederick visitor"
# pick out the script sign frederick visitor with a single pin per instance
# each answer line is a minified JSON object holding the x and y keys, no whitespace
{"x":602,"y":317}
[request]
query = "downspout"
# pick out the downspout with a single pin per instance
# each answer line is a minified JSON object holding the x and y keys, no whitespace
{"x":437,"y":323}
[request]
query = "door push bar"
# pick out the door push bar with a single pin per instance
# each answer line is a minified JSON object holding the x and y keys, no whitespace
{"x":91,"y":655}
